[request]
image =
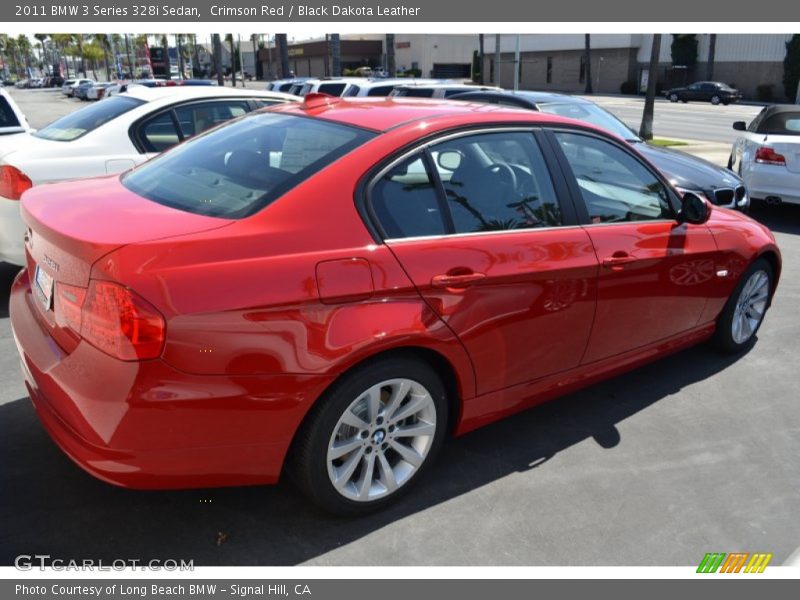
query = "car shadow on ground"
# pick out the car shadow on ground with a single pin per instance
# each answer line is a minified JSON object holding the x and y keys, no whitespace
{"x":50,"y":506}
{"x":784,"y":218}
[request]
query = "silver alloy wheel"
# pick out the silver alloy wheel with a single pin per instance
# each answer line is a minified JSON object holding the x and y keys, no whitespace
{"x":715,"y":100}
{"x":750,"y":307}
{"x":673,"y":97}
{"x":381,"y":440}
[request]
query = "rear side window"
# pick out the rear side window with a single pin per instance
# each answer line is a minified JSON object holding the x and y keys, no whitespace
{"x":787,"y":123}
{"x":412,"y":92}
{"x":236,"y":170}
{"x":383,"y":90}
{"x":81,"y":122}
{"x":159,"y":133}
{"x":405,"y":201}
{"x":332,"y":89}
{"x":196,"y":118}
{"x":7,"y":116}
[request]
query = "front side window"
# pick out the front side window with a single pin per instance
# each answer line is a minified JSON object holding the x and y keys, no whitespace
{"x":237,"y":170}
{"x":614,"y":185}
{"x":89,"y":118}
{"x":7,"y":116}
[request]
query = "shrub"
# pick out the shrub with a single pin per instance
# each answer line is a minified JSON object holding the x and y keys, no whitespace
{"x":791,"y":67}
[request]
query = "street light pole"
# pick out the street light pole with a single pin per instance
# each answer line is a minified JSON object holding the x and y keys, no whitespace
{"x":516,"y":65}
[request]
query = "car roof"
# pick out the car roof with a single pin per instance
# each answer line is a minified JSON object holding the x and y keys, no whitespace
{"x":453,"y":84}
{"x":776,"y":109}
{"x":180,"y":92}
{"x":383,"y":114}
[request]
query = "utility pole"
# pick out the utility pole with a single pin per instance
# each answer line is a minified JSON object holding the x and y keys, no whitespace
{"x":217,"y":44}
{"x":517,"y":65}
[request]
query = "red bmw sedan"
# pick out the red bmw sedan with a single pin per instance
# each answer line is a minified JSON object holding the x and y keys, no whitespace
{"x":330,"y":289}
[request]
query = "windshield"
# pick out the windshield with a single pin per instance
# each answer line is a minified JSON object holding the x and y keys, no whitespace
{"x":81,"y":122}
{"x":236,"y":170}
{"x":590,"y":113}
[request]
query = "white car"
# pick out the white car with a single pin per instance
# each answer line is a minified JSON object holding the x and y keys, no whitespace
{"x":383,"y":86}
{"x":98,"y":90}
{"x":333,"y":86}
{"x":440,"y":90}
{"x":112,"y":136}
{"x":767,"y":154}
{"x":70,"y":85}
{"x":13,"y":123}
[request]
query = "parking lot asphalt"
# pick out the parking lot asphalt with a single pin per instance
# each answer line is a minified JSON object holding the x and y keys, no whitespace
{"x":694,"y":453}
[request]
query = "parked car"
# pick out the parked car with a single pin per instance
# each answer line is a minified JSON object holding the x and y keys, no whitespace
{"x":12,"y":121}
{"x":706,"y":91}
{"x":688,"y":173}
{"x":70,"y":85}
{"x":382,"y":86}
{"x":98,"y":90}
{"x":285,"y":85}
{"x":198,"y":321}
{"x":81,"y":91}
{"x":112,"y":136}
{"x":767,"y":154}
{"x":439,"y":90}
{"x":333,"y":86}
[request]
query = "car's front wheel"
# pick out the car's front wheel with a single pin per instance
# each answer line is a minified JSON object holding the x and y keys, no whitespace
{"x":715,"y":99}
{"x":744,"y":312}
{"x":371,"y":436}
{"x":673,"y":97}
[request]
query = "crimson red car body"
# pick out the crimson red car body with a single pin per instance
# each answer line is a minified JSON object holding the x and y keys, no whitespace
{"x":264,"y":313}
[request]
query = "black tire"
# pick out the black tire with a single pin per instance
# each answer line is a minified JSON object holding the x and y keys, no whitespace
{"x":308,"y":462}
{"x":723,"y":339}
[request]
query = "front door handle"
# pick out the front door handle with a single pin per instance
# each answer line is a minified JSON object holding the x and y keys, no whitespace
{"x":617,"y":261}
{"x":461,"y":280}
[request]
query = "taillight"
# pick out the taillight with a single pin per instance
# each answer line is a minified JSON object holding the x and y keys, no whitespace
{"x":13,"y":182}
{"x":120,"y":323}
{"x":67,"y":306}
{"x":767,"y":156}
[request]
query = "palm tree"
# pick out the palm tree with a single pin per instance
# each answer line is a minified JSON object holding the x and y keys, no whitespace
{"x":78,"y":37}
{"x":165,"y":46}
{"x":646,"y":129}
{"x":41,"y":37}
{"x":481,"y":57}
{"x":229,"y":39}
{"x":712,"y":53}
{"x":63,"y":41}
{"x":24,"y":47}
{"x":93,"y":52}
{"x":218,"y":59}
{"x":336,"y":55}
{"x":283,"y":50}
{"x":587,"y":59}
{"x":391,"y":67}
{"x":104,"y":43}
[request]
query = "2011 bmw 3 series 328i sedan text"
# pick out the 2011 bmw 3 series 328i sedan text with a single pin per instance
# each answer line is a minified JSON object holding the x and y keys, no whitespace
{"x":330,"y":289}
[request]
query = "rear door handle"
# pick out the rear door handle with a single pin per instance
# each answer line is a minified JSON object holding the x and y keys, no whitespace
{"x":617,"y":261}
{"x":456,"y":281}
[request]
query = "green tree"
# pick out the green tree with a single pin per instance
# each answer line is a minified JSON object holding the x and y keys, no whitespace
{"x":791,"y":68}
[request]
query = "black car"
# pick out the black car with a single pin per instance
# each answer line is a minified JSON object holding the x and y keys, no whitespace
{"x":686,"y":172}
{"x":708,"y":91}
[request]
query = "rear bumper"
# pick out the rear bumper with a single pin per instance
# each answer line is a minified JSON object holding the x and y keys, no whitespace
{"x":12,"y":231}
{"x":146,"y":425}
{"x":764,"y":181}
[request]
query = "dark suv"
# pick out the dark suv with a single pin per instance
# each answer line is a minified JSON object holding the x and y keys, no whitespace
{"x":708,"y":91}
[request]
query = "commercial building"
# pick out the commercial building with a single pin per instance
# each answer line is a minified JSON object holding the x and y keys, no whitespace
{"x":556,"y":62}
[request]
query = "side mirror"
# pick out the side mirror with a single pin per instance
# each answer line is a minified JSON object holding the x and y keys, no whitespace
{"x":694,"y":209}
{"x":740,"y":126}
{"x":449,"y":160}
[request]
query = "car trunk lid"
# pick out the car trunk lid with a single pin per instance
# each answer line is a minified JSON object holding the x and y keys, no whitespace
{"x":71,"y":225}
{"x":788,"y":146}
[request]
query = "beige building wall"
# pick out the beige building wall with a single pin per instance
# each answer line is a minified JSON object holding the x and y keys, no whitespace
{"x":425,"y":50}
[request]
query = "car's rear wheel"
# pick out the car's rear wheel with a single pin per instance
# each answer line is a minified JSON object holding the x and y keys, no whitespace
{"x":372,"y":435}
{"x":744,"y":312}
{"x":715,"y":99}
{"x":673,"y":97}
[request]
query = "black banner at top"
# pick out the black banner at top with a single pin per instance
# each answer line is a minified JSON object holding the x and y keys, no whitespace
{"x":409,"y":11}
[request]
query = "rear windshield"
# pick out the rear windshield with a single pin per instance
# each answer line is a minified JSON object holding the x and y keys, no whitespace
{"x":236,"y":170}
{"x":7,"y":116}
{"x":787,"y":123}
{"x":81,"y":122}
